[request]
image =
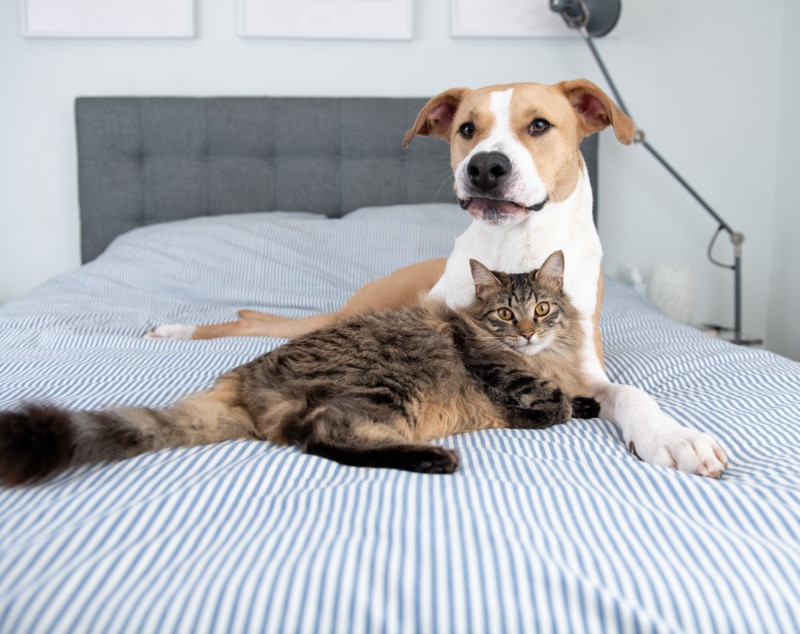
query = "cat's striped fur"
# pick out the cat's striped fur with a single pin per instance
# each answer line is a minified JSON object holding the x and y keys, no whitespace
{"x":369,"y":391}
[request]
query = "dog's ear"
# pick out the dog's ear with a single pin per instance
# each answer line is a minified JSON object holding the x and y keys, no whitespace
{"x":436,"y":116}
{"x":596,"y":110}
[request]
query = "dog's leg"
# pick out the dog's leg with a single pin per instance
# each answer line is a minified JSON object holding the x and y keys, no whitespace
{"x":654,"y":437}
{"x":650,"y":434}
{"x":403,"y":287}
{"x":254,"y":324}
{"x":268,"y":317}
{"x":598,"y":340}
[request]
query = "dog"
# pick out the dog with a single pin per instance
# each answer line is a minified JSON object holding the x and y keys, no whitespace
{"x":520,"y":174}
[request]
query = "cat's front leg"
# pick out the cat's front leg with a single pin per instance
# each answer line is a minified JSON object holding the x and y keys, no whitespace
{"x":529,"y":401}
{"x":533,"y":403}
{"x":558,"y":408}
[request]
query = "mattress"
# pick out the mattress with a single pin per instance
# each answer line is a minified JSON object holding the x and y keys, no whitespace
{"x":555,"y":530}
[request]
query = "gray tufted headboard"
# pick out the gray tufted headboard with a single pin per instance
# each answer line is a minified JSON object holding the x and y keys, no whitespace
{"x":143,"y":160}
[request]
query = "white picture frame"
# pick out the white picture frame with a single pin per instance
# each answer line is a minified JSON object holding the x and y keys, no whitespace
{"x":506,"y":18}
{"x":107,"y":18}
{"x":322,"y":19}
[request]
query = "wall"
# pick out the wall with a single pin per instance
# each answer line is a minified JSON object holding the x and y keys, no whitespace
{"x":783,"y":331}
{"x":706,"y":94}
{"x":704,"y":85}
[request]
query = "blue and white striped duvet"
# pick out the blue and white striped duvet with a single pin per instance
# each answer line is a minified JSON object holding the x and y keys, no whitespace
{"x":560,"y":530}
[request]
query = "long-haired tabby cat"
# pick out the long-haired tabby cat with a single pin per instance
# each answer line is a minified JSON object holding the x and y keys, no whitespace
{"x":369,"y":391}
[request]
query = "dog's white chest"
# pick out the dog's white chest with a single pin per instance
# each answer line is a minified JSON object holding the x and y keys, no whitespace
{"x":566,"y":226}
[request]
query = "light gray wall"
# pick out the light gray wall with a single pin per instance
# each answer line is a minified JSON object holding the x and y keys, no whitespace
{"x":703,"y":79}
{"x":783,"y":327}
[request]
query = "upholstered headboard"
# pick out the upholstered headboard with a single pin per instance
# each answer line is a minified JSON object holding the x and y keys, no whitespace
{"x":144,"y":160}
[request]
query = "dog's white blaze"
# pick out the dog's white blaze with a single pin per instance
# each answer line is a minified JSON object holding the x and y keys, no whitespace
{"x":527,"y":186}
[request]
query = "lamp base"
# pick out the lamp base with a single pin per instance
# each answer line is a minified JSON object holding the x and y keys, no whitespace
{"x":729,"y":334}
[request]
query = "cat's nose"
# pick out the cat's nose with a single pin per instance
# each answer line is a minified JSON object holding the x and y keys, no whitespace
{"x":528,"y":334}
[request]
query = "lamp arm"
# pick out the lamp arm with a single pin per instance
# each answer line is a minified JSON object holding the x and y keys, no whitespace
{"x":724,"y":225}
{"x":639,"y":137}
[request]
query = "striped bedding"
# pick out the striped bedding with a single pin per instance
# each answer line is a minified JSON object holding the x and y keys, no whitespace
{"x":560,"y":530}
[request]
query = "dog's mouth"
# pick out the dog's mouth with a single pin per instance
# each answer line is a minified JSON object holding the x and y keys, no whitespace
{"x":497,"y":212}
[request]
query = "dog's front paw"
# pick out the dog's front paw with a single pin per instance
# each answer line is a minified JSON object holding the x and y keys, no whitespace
{"x":180,"y":332}
{"x":684,"y":449}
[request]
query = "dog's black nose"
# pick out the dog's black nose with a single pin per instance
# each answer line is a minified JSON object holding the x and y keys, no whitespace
{"x":488,"y":170}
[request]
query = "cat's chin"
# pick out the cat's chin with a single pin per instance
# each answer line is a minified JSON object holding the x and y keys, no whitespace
{"x":531,"y":348}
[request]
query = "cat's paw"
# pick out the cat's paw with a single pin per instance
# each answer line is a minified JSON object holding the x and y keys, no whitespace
{"x":179,"y":332}
{"x":585,"y":407}
{"x":545,"y":394}
{"x":431,"y":460}
{"x":684,"y":449}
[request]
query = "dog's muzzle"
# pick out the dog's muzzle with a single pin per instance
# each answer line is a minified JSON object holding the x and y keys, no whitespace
{"x":488,"y":175}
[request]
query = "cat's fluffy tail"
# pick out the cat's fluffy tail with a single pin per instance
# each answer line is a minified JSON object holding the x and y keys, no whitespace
{"x":40,"y":440}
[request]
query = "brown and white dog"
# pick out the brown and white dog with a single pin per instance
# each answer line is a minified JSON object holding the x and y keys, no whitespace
{"x":520,"y":174}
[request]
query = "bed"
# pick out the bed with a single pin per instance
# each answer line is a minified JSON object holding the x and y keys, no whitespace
{"x":193,"y":208}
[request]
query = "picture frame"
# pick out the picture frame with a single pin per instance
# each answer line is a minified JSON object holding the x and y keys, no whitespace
{"x":341,"y":19}
{"x":506,"y":18}
{"x":107,"y":18}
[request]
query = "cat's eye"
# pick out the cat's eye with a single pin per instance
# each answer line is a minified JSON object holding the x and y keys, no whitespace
{"x":542,"y":308}
{"x":506,"y":314}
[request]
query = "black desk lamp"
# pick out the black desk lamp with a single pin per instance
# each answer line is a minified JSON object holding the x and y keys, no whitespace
{"x":596,"y":18}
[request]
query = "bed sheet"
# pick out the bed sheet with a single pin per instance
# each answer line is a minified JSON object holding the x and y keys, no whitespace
{"x":549,"y":530}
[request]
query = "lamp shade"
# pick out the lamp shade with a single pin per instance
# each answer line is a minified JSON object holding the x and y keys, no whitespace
{"x":598,"y":17}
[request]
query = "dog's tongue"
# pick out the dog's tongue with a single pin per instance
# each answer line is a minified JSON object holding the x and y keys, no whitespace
{"x":493,"y":211}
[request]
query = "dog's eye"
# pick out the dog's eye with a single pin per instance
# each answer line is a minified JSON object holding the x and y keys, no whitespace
{"x":538,"y":126}
{"x":506,"y":314}
{"x":467,"y":130}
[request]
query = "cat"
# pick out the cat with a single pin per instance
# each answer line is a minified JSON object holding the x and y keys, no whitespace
{"x":368,"y":391}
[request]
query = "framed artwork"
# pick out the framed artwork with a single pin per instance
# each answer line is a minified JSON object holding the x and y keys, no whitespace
{"x":506,"y":18}
{"x":353,"y":19}
{"x":107,"y":18}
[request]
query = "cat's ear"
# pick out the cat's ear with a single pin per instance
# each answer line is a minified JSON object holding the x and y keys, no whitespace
{"x":551,"y":273}
{"x":485,"y":280}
